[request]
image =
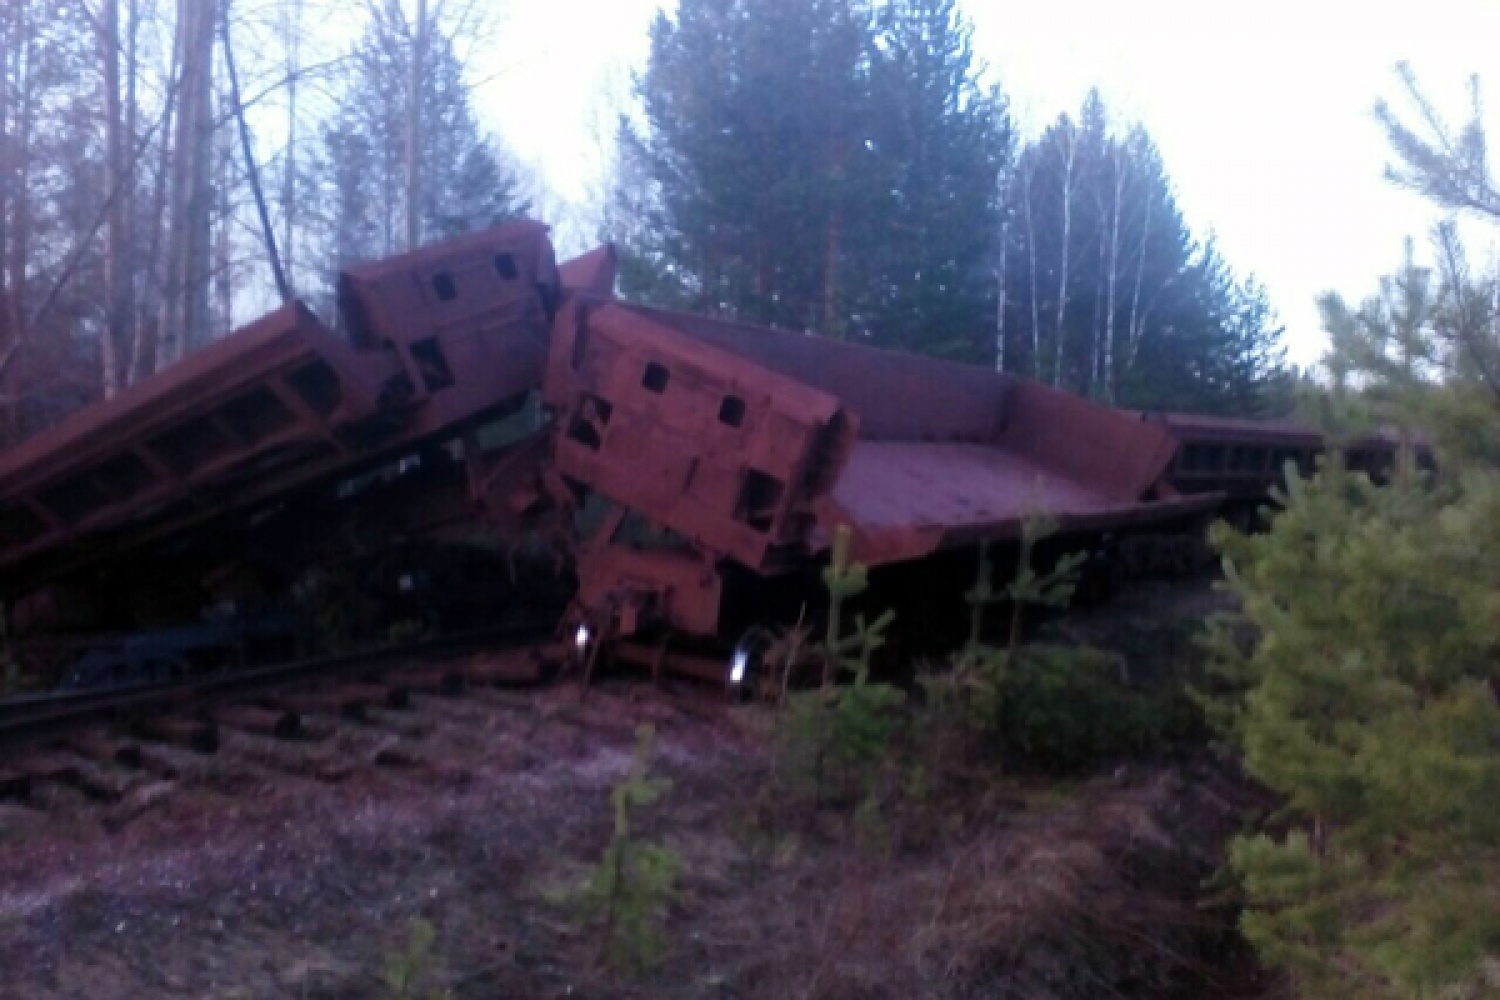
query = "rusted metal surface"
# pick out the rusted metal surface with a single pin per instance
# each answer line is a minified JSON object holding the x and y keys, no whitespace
{"x":733,"y":459}
{"x":477,"y":382}
{"x":728,"y":454}
{"x":913,"y":454}
{"x":591,"y":275}
{"x":898,"y":397}
{"x":905,"y":500}
{"x":439,"y":341}
{"x":268,"y":400}
{"x":1236,"y":457}
{"x":466,"y":321}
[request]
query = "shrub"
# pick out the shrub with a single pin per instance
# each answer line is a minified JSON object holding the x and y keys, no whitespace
{"x":628,"y":891}
{"x":407,"y":972}
{"x":1053,"y":706}
{"x":1369,"y":704}
{"x":835,"y":736}
{"x":1068,"y":708}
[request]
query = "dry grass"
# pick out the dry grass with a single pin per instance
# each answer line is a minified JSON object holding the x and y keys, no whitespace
{"x":1094,"y":896}
{"x":260,"y":873}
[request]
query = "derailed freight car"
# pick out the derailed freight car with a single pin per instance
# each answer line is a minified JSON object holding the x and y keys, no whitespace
{"x":476,"y":390}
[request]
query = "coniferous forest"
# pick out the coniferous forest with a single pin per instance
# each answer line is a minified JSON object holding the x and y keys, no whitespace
{"x":1297,"y":797}
{"x":828,"y":166}
{"x":1368,"y":702}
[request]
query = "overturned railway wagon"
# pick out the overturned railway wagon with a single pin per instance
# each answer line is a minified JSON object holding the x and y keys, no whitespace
{"x":478,"y":394}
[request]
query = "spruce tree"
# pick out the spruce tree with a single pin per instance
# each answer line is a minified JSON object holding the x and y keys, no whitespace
{"x":754,"y":122}
{"x":1368,"y":704}
{"x":820,"y":164}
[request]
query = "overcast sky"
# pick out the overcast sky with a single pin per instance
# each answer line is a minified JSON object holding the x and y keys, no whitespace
{"x":1262,"y":110}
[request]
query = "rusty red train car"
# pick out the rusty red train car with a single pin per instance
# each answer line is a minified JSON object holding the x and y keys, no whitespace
{"x":476,"y":386}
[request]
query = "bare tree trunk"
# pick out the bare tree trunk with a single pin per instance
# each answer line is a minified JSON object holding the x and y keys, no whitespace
{"x":9,"y":43}
{"x":129,"y":238}
{"x":1036,"y":316}
{"x":292,"y":39}
{"x":17,"y":113}
{"x":146,"y":264}
{"x":186,"y":293}
{"x":170,"y":328}
{"x":23,"y":116}
{"x":116,"y":268}
{"x":147,"y":336}
{"x":1096,"y":351}
{"x":1001,"y":273}
{"x":10,"y":333}
{"x":1062,"y":271}
{"x":414,"y":129}
{"x":252,"y":173}
{"x":1137,"y":320}
{"x":830,"y":273}
{"x":132,"y":119}
{"x":223,"y":270}
{"x":1121,"y":165}
{"x":195,"y":327}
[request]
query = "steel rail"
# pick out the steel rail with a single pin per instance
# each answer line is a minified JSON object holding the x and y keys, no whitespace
{"x":28,"y":718}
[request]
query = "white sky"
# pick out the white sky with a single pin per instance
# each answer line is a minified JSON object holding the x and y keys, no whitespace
{"x":1262,"y":110}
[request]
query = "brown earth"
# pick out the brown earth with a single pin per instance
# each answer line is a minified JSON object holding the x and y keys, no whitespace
{"x":298,"y":870}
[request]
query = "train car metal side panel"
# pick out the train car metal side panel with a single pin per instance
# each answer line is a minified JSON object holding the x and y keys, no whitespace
{"x":727,"y":454}
{"x":281,"y":393}
{"x":439,"y":341}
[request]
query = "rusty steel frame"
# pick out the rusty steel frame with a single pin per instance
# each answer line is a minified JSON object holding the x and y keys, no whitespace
{"x":704,"y":442}
{"x":437,"y":341}
{"x":913,"y":454}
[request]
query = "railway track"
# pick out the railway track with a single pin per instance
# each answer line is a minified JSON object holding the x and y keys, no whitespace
{"x":30,"y":717}
{"x":60,"y":738}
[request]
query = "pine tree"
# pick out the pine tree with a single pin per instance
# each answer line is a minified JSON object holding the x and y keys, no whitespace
{"x":1369,"y":700}
{"x":748,"y":159}
{"x":927,"y":239}
{"x":1368,"y":704}
{"x":815,"y":164}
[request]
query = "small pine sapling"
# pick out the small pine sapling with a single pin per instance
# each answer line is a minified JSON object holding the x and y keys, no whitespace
{"x":407,"y":971}
{"x":1367,"y":702}
{"x":844,"y":729}
{"x":629,"y":891}
{"x":1052,"y":589}
{"x":975,"y":685}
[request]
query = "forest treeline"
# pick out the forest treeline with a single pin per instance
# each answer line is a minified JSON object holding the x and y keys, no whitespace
{"x":170,"y":168}
{"x":846,"y":167}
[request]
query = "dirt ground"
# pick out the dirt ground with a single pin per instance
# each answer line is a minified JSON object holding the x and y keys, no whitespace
{"x":276,"y":871}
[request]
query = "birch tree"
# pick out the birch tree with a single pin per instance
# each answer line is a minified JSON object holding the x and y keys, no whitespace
{"x":425,"y":144}
{"x":121,"y":208}
{"x":1067,"y":153}
{"x":1137,"y":310}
